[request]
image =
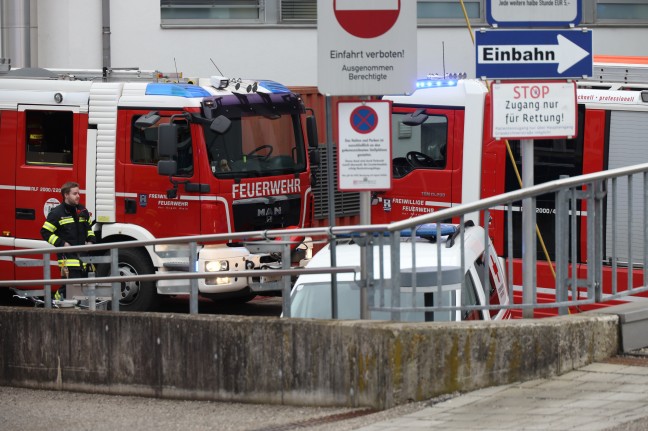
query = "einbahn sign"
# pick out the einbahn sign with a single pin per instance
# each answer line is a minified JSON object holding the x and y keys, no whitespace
{"x":540,"y":54}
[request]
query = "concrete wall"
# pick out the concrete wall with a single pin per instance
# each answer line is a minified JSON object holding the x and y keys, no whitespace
{"x":273,"y":360}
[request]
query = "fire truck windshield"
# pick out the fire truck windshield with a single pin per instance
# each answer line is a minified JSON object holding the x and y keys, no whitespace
{"x":255,"y":146}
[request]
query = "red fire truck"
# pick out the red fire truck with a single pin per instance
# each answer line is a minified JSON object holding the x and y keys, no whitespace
{"x":451,"y":157}
{"x":232,"y":156}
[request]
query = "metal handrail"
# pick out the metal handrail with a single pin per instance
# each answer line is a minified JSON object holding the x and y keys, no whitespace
{"x":280,"y":237}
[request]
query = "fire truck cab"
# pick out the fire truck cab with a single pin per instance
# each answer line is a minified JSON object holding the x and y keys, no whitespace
{"x":154,"y":159}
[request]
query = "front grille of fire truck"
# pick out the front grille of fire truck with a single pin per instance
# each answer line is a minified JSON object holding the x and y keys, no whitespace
{"x":267,"y":213}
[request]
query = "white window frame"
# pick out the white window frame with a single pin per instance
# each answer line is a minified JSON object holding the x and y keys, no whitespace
{"x":444,"y":21}
{"x":617,"y":21}
{"x":270,"y":15}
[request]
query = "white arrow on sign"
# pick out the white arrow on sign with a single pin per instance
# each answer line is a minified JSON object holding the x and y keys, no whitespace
{"x":566,"y":53}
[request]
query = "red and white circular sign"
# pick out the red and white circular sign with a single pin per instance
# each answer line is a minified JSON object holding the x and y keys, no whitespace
{"x":367,"y":19}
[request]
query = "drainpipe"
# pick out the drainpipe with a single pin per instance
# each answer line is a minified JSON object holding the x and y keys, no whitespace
{"x":19,"y":35}
{"x":105,"y":28}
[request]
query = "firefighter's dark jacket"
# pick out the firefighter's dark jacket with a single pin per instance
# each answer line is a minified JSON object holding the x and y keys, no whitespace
{"x":72,"y":224}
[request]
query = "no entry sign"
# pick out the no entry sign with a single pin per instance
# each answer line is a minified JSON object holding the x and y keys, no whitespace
{"x":366,"y":47}
{"x":366,"y":19}
{"x":364,"y":150}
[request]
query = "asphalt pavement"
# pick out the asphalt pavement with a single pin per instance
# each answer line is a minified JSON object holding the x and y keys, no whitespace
{"x":610,"y":395}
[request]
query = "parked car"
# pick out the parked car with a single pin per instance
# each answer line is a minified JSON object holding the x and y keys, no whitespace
{"x":311,"y":294}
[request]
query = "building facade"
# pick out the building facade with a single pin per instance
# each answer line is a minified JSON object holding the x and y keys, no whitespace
{"x":273,"y":39}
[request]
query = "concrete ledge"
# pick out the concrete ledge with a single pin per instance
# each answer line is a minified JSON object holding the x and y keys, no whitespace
{"x":633,"y":323}
{"x":288,"y":361}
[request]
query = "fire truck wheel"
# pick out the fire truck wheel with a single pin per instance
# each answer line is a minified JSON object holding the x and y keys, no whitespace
{"x":136,"y":295}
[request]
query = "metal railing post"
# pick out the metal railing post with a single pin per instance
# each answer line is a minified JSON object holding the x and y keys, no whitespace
{"x":613,"y":224}
{"x":591,"y":238}
{"x":92,"y":294}
{"x":193,"y":295}
{"x":368,"y":284}
{"x":114,"y":272}
{"x":486,"y":259}
{"x":286,"y":285}
{"x":630,"y":263}
{"x":645,"y":230}
{"x":600,"y":195}
{"x":395,"y":275}
{"x":561,"y":232}
{"x":47,"y":275}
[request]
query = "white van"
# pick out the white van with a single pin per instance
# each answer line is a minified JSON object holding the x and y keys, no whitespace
{"x":311,"y":294}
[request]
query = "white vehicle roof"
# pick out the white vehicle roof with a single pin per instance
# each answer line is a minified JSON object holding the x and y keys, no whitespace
{"x":425,"y":250}
{"x":447,"y":95}
{"x":138,"y":93}
{"x":311,"y":295}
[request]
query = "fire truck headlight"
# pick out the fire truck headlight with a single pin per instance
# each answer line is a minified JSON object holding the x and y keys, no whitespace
{"x":216,"y":265}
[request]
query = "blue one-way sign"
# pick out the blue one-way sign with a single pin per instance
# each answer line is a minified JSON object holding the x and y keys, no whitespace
{"x":512,"y":54}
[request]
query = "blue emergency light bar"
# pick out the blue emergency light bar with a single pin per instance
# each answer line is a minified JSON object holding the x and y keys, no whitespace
{"x":426,"y":231}
{"x":178,"y":90}
{"x":429,"y":230}
{"x":274,"y":87}
{"x":436,"y":83}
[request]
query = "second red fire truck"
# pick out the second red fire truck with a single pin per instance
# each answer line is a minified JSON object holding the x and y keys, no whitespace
{"x":451,"y":157}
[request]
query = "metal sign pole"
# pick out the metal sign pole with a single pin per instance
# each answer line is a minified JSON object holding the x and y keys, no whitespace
{"x":528,"y":229}
{"x":365,"y":219}
{"x":330,"y":175}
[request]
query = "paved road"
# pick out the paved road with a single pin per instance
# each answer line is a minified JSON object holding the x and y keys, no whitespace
{"x":609,"y":396}
{"x":38,"y":410}
{"x":260,"y":306}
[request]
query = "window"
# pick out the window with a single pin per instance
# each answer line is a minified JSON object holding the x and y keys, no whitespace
{"x":196,"y":12}
{"x":144,"y":146}
{"x":188,"y":13}
{"x":48,"y":137}
{"x":430,"y":13}
{"x":415,"y":147}
{"x":447,"y":11}
{"x":620,"y":11}
{"x":255,"y":146}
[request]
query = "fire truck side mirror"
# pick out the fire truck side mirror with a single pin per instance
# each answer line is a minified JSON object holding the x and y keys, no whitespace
{"x":168,"y":140}
{"x":311,"y":131}
{"x":416,"y":118}
{"x":147,"y":120}
{"x":220,"y":125}
{"x":167,"y":167}
{"x":314,"y":156}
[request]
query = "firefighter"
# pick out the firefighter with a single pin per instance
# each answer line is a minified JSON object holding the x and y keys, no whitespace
{"x":69,"y":224}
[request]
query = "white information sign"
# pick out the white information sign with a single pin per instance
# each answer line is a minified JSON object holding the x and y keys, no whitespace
{"x":366,"y":47}
{"x":364,"y":150}
{"x":534,"y":109}
{"x":533,"y":12}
